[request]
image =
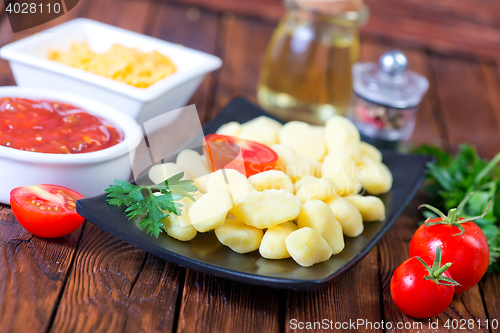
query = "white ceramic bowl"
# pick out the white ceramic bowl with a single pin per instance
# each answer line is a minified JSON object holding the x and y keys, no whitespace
{"x":31,"y":68}
{"x":87,"y":173}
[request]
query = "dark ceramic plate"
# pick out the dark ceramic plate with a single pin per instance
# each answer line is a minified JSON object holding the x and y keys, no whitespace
{"x":205,"y":254}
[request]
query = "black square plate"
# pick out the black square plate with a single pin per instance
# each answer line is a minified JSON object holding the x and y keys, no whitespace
{"x":206,"y":254}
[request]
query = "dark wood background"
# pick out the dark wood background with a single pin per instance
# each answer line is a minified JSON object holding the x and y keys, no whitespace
{"x":91,"y":281}
{"x":468,"y":27}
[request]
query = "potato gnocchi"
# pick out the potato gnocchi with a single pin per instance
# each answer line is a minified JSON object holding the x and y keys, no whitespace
{"x":304,"y":139}
{"x":267,"y":208}
{"x":238,"y":236}
{"x":210,"y":211}
{"x":343,"y":171}
{"x":307,"y":247}
{"x":302,"y":209}
{"x":273,"y":243}
{"x":375,"y":176}
{"x":317,"y":215}
{"x":272,"y":179}
{"x":237,"y":184}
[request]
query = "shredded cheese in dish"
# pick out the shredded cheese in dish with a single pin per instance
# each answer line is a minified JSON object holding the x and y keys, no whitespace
{"x":120,"y":63}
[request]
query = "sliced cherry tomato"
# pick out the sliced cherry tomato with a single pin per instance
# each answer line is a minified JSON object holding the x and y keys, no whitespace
{"x":248,"y":157}
{"x":421,"y":288}
{"x":463,"y":242}
{"x":46,"y":210}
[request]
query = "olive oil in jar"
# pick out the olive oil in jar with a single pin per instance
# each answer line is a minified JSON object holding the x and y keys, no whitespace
{"x":306,"y":73}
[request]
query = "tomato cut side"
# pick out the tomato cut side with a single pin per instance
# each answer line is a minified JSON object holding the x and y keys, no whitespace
{"x":46,"y":210}
{"x":248,"y":157}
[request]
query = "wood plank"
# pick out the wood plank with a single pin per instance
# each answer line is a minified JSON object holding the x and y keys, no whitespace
{"x":465,"y":103}
{"x":33,"y":272}
{"x":154,"y":297}
{"x":267,"y":9}
{"x":116,"y":286}
{"x":212,"y":304}
{"x":485,"y":13}
{"x":166,"y":27}
{"x":6,"y":36}
{"x":446,"y":26}
{"x":491,"y":74}
{"x":243,"y":44}
{"x":355,"y":295}
{"x":97,"y":293}
{"x":451,"y":28}
{"x":134,"y":15}
{"x":490,"y":290}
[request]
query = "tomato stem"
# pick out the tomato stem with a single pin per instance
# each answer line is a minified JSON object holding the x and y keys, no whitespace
{"x":442,"y":269}
{"x":453,"y":215}
{"x":436,"y":271}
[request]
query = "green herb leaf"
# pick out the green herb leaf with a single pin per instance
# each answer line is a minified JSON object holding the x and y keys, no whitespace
{"x":124,"y":193}
{"x":161,"y":200}
{"x":183,"y":188}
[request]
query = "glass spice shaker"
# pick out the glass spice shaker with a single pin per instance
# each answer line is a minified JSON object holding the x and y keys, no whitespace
{"x":306,"y":74}
{"x":386,"y":98}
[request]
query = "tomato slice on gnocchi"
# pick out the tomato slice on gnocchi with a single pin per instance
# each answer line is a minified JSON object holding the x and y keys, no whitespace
{"x":248,"y":157}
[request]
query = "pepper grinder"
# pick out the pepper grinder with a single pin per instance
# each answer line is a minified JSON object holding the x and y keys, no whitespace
{"x":386,"y":98}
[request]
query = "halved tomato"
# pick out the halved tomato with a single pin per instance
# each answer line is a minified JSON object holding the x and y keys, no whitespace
{"x":248,"y":157}
{"x":46,"y":210}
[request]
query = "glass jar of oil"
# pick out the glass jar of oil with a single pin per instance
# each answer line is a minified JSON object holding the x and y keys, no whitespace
{"x":306,"y":74}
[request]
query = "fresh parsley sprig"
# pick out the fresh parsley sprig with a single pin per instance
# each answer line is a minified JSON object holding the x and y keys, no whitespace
{"x":452,"y":178}
{"x":156,"y":201}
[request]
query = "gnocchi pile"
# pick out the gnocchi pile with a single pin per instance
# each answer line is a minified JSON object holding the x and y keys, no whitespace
{"x":302,"y":208}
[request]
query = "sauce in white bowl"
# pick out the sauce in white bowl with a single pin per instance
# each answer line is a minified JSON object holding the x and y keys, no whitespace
{"x":88,"y":173}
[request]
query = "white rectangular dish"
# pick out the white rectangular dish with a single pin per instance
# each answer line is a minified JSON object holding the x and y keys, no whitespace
{"x":31,"y":68}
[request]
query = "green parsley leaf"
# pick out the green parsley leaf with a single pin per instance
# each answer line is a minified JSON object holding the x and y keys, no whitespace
{"x":180,"y":187}
{"x":159,"y":202}
{"x":124,"y":193}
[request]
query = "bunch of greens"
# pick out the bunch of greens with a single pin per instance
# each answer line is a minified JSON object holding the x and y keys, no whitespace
{"x":151,"y":204}
{"x":451,"y":179}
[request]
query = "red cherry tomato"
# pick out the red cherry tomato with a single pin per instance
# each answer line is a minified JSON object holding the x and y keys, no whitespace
{"x":46,"y":210}
{"x":417,"y":296}
{"x":248,"y":157}
{"x":469,"y":252}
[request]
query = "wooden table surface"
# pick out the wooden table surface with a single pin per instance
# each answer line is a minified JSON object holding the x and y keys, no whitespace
{"x":90,"y":281}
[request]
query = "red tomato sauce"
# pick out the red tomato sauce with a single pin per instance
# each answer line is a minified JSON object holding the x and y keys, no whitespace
{"x":53,"y":127}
